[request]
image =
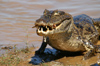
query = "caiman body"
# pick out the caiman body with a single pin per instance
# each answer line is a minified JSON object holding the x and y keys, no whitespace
{"x":63,"y":32}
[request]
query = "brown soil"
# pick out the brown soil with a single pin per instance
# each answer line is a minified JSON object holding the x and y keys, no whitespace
{"x":64,"y":61}
{"x":75,"y":60}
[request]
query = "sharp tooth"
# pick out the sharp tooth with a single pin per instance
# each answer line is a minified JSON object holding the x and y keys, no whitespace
{"x":46,"y":27}
{"x":41,"y":29}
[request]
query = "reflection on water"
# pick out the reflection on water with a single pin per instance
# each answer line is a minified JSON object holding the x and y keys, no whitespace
{"x":18,"y":16}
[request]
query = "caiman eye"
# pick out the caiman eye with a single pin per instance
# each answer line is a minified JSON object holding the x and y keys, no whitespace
{"x":56,"y":14}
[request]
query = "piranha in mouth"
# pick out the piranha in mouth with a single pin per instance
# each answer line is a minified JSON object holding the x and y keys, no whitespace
{"x":51,"y":21}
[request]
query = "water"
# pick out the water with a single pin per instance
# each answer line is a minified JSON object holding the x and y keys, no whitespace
{"x":18,"y":16}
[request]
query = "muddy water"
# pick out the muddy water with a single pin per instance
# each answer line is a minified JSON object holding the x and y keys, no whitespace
{"x":18,"y":16}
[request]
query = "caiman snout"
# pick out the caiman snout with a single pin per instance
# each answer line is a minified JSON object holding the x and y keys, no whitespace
{"x":43,"y":28}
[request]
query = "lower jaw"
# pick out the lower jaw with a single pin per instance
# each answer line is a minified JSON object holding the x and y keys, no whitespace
{"x":40,"y":34}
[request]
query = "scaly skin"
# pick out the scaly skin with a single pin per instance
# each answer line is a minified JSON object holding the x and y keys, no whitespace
{"x":64,"y":32}
{"x":96,"y":23}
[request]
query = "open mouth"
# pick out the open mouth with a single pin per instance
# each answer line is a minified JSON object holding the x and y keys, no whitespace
{"x":47,"y":28}
{"x":44,"y":28}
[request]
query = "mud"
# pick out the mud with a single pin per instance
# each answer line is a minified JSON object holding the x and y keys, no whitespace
{"x":52,"y":57}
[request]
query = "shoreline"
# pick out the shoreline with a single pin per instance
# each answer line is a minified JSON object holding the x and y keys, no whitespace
{"x":22,"y":57}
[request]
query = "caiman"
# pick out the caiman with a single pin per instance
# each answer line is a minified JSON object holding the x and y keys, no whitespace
{"x":66,"y":33}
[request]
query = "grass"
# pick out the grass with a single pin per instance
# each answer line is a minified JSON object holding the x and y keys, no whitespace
{"x":13,"y":58}
{"x":10,"y":60}
{"x":19,"y":58}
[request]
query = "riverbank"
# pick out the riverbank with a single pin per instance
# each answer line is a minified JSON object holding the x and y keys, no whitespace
{"x":22,"y":57}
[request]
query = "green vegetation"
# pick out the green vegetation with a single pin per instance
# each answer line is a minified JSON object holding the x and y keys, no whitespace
{"x":13,"y":58}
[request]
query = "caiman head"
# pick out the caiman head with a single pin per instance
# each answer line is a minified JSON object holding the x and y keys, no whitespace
{"x":53,"y":22}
